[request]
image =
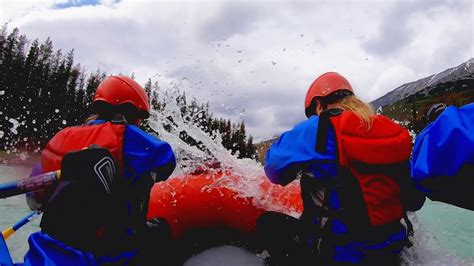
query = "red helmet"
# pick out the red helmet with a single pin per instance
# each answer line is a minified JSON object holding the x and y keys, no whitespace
{"x":117,"y":90}
{"x":325,"y":85}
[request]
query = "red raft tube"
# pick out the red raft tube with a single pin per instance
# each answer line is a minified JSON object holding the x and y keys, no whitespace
{"x":201,"y":200}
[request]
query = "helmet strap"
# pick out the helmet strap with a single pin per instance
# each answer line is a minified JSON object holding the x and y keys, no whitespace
{"x":119,"y":119}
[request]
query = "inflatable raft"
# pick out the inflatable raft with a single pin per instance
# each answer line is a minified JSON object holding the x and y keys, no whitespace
{"x":208,"y":214}
{"x":201,"y":200}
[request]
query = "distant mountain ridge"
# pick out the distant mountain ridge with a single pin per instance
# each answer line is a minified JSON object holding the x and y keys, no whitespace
{"x":424,"y":86}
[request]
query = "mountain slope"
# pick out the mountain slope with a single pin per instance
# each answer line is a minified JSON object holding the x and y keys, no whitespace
{"x":459,"y":77}
{"x":411,"y":101}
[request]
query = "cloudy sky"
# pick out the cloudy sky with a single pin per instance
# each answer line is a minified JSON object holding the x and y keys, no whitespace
{"x":255,"y":60}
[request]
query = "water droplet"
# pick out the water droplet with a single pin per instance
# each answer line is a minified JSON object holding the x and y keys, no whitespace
{"x":15,"y":125}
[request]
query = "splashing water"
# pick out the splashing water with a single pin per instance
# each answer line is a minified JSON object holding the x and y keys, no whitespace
{"x":15,"y":125}
{"x":244,"y":176}
{"x":427,"y":250}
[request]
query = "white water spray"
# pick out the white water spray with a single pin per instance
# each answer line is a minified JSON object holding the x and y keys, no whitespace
{"x":247,"y":174}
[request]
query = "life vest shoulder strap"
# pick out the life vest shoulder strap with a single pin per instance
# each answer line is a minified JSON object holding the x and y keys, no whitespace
{"x":323,"y":129}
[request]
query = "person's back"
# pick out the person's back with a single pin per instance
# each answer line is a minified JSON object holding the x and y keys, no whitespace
{"x":354,"y":168}
{"x":86,"y":228}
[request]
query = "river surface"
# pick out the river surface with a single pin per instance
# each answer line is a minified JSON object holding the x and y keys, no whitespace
{"x":449,"y":228}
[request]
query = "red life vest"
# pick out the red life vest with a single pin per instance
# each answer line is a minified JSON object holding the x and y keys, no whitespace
{"x":385,"y":144}
{"x":107,"y":135}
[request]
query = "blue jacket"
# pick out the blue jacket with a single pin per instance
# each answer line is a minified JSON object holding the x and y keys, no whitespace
{"x":445,"y":145}
{"x":5,"y":258}
{"x":295,"y":151}
{"x":142,"y":154}
{"x":441,"y":151}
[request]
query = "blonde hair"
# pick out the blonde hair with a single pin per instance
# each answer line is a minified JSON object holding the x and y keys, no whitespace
{"x":363,"y":110}
{"x":92,"y":118}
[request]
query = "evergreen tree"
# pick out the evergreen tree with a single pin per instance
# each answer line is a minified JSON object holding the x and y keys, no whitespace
{"x":251,"y":149}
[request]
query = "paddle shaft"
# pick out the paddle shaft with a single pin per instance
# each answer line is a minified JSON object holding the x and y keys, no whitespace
{"x":30,"y":184}
{"x":12,"y":229}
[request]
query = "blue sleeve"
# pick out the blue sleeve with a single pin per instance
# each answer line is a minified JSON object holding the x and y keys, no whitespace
{"x":143,"y":153}
{"x":5,"y":258}
{"x":295,"y":150}
{"x":447,"y":144}
{"x":45,"y":250}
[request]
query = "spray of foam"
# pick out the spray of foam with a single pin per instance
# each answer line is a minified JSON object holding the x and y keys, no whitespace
{"x":246,"y":176}
{"x":426,"y":249}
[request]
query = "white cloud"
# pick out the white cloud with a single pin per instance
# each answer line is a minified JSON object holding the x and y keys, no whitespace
{"x":258,"y":57}
{"x":392,"y":78}
{"x":14,"y":10}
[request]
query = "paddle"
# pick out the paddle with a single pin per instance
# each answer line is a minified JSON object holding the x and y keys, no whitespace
{"x":29,"y":184}
{"x":12,"y":229}
{"x":5,"y":258}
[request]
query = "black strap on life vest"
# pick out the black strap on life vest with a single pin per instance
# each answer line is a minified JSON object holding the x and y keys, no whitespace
{"x":323,"y":129}
{"x":324,"y":124}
